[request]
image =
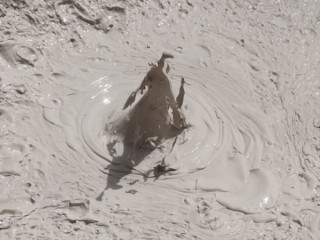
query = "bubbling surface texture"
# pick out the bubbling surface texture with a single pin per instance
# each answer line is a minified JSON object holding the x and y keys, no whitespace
{"x":85,"y":155}
{"x":220,"y":152}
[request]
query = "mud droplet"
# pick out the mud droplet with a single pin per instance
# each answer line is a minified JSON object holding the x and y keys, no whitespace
{"x":316,"y":123}
{"x":26,"y":54}
{"x":21,"y":89}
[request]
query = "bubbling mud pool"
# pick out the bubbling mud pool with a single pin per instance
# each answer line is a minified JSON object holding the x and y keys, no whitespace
{"x":245,"y":167}
{"x":220,"y":152}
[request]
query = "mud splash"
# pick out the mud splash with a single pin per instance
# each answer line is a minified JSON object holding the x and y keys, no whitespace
{"x":246,"y":168}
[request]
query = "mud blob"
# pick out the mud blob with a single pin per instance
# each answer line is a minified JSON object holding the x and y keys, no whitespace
{"x":156,"y":117}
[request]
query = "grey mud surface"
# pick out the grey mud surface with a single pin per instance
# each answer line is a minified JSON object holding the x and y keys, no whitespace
{"x":248,"y":168}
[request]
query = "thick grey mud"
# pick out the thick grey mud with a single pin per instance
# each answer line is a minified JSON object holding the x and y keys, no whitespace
{"x":246,"y":157}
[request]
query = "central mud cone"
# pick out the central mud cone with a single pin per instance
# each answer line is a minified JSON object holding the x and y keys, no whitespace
{"x":155,"y":118}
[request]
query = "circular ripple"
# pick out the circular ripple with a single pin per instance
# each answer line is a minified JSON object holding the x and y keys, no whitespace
{"x":227,"y":139}
{"x":217,"y":125}
{"x":198,"y":144}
